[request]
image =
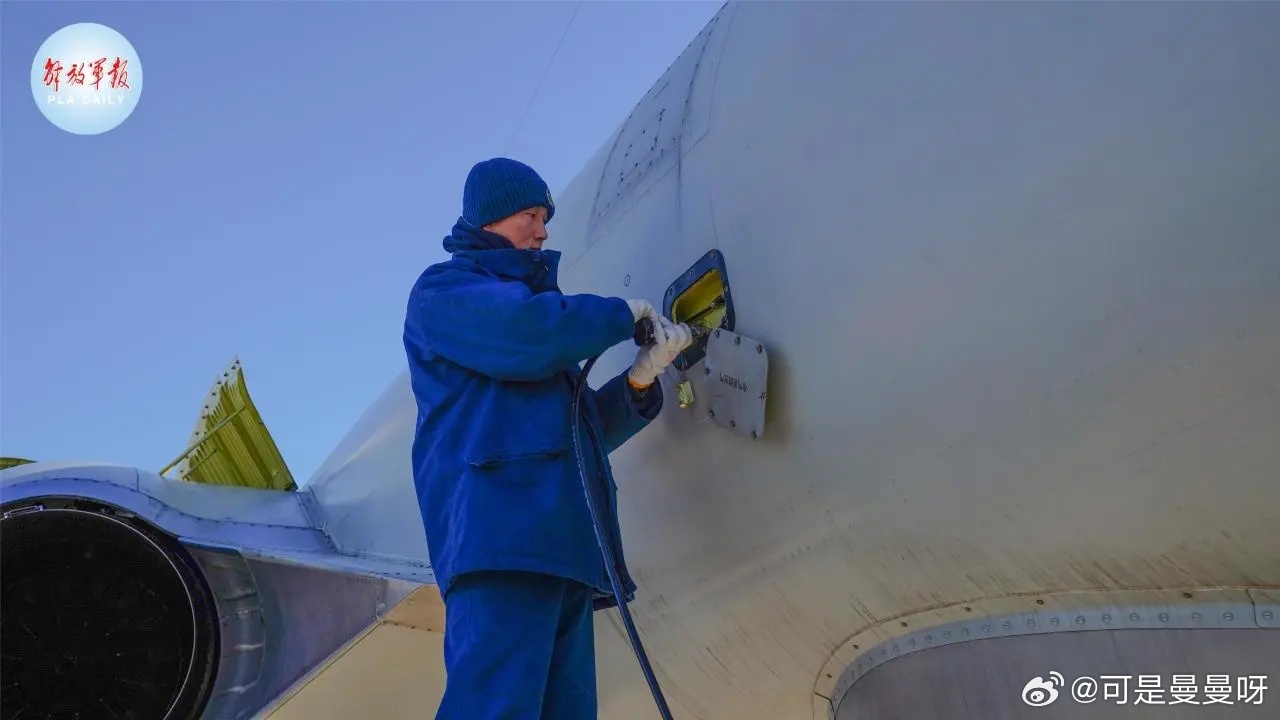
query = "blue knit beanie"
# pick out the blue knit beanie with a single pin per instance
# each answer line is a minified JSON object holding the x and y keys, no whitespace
{"x":500,"y":187}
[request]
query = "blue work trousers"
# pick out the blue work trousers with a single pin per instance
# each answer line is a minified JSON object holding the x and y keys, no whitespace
{"x":518,"y":646}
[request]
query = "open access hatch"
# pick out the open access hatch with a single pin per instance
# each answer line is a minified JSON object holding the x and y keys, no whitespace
{"x":700,"y":296}
{"x":731,"y":388}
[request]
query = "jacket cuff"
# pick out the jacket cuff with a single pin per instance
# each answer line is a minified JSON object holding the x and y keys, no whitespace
{"x":645,"y":403}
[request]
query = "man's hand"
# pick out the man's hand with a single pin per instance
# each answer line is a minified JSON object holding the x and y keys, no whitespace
{"x":669,"y":340}
{"x":641,"y":309}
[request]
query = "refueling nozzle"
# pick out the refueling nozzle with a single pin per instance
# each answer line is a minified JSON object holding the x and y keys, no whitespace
{"x":644,"y":328}
{"x":643,"y":334}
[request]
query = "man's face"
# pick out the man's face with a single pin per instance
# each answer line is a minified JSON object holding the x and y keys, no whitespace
{"x":527,"y":229}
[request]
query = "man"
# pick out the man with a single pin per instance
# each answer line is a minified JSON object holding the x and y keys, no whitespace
{"x":493,"y":349}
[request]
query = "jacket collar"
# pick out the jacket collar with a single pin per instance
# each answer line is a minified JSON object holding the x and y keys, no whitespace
{"x":539,"y":269}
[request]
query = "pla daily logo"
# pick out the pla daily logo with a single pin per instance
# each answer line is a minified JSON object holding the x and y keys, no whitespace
{"x":86,"y":78}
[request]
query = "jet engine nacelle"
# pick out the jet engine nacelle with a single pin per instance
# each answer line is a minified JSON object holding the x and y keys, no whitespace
{"x":158,"y":599}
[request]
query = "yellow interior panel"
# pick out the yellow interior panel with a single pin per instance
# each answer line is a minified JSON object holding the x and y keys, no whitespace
{"x":699,"y":296}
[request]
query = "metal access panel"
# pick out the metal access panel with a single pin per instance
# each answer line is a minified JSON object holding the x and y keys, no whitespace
{"x":1138,"y":674}
{"x":737,"y":372}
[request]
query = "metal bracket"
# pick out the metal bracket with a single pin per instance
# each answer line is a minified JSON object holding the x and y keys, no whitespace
{"x":737,"y":373}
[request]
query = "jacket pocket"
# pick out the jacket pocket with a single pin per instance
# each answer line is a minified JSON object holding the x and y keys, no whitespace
{"x":522,"y":459}
{"x":516,"y":509}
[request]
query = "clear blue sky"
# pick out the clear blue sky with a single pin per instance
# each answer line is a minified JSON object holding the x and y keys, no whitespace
{"x":311,"y":154}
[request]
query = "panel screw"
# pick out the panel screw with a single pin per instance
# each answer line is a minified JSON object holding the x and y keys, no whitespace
{"x":706,"y":371}
{"x":759,"y":348}
{"x":737,"y":341}
{"x":627,"y":281}
{"x":1164,"y":617}
{"x":1266,"y":615}
{"x":1229,"y":616}
{"x":733,"y":424}
{"x":717,"y":332}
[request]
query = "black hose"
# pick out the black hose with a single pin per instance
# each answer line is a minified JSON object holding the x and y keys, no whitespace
{"x":605,"y":546}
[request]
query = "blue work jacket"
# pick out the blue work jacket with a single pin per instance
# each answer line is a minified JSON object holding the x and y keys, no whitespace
{"x":494,"y":352}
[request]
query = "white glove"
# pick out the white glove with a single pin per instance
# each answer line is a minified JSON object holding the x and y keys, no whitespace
{"x":643,"y":309}
{"x":669,"y":341}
